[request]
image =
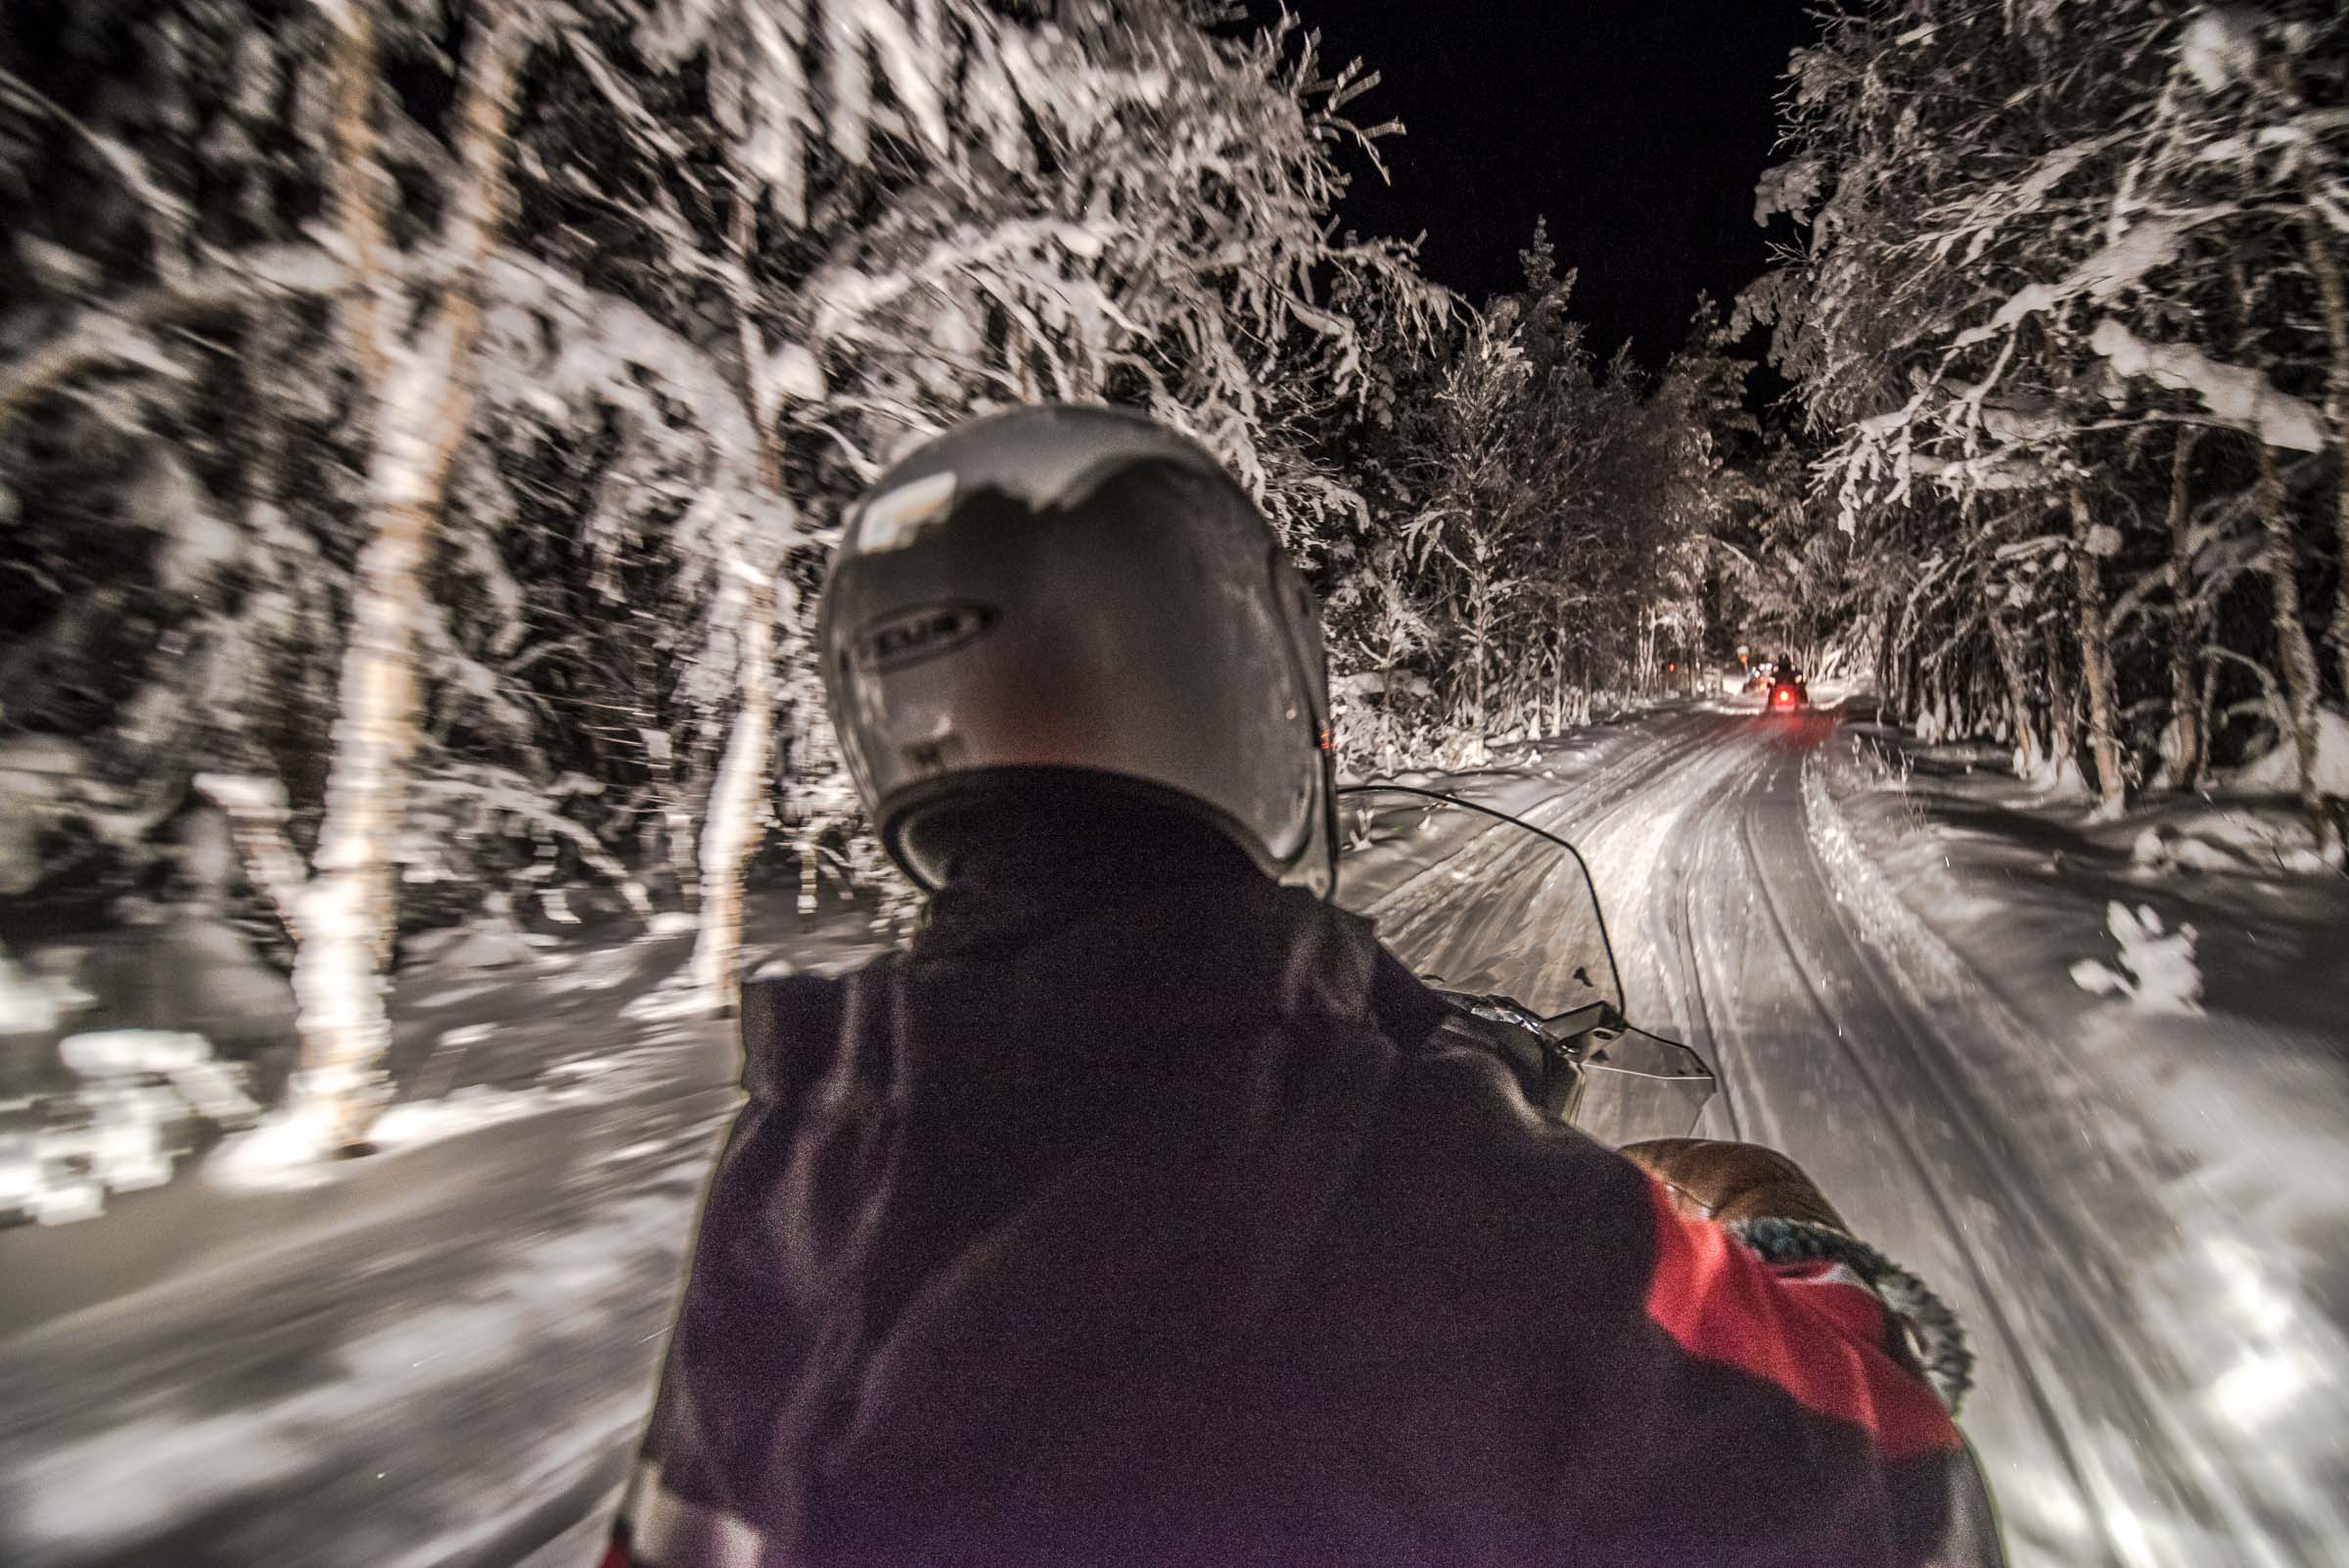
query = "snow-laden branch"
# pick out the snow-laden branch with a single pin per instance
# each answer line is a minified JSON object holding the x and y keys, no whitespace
{"x":2149,"y":244}
{"x":2237,"y":398}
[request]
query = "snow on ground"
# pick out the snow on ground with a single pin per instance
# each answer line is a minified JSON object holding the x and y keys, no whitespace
{"x":437,"y":1352}
{"x":2156,"y":970}
{"x":142,"y":1094}
{"x":1883,"y":978}
{"x":32,"y":1003}
{"x":2192,"y":1019}
{"x":2278,"y":772}
{"x":441,"y":1353}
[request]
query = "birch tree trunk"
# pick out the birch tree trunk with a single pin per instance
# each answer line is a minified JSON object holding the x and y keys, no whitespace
{"x":1887,"y":666}
{"x":2063,"y":702}
{"x":2334,"y":296}
{"x":2207,"y":699}
{"x":2025,"y":731}
{"x":737,"y":814}
{"x":422,"y":401}
{"x":2187,"y":748}
{"x":737,"y":803}
{"x":1899,"y":688}
{"x":2279,"y":564}
{"x":2295,"y":651}
{"x":1480,"y":627}
{"x":2096,"y":666}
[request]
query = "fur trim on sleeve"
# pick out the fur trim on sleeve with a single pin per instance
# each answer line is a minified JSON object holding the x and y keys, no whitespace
{"x":1936,"y":1341}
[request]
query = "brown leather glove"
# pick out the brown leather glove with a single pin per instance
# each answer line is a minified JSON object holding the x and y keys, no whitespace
{"x":1712,"y":1180}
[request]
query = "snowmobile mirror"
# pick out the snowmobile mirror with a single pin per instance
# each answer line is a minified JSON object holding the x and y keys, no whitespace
{"x":1635,"y":1085}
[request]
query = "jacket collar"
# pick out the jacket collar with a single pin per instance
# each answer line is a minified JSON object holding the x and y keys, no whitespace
{"x":1178,"y":953}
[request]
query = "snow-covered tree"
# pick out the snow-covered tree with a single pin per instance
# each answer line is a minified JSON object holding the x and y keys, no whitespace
{"x":1539,"y":530}
{"x":406,"y":314}
{"x":596,"y":360}
{"x":1119,"y":206}
{"x":414,"y":356}
{"x":2041,"y":243}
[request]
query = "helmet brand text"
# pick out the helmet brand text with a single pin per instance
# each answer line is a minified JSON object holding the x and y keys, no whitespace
{"x":921,"y":631}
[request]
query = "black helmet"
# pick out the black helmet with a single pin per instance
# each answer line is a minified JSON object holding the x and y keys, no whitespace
{"x":1061,"y":593}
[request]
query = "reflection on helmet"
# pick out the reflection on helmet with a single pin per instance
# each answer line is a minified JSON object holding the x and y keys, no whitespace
{"x":1063,"y":591}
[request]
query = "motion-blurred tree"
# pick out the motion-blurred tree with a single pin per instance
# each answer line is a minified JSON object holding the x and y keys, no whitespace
{"x":516,"y":359}
{"x":2058,"y":271}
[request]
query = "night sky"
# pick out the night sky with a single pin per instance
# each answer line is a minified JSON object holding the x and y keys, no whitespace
{"x":1637,"y":126}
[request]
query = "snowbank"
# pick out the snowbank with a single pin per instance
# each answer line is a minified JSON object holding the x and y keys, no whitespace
{"x":417,"y":1123}
{"x":142,"y":1096}
{"x":35,"y":1003}
{"x":2278,"y":771}
{"x":2208,"y":1123}
{"x":2156,"y":973}
{"x":2231,"y":836}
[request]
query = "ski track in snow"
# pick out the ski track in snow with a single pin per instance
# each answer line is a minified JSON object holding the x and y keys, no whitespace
{"x":1751,"y":921}
{"x":2181,"y":1204}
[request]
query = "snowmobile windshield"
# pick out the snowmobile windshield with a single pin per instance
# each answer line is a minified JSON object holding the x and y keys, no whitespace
{"x":1475,"y":903}
{"x":1506,"y":919}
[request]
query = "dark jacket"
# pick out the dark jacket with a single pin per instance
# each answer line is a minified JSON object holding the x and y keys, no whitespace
{"x":1168,"y":1228}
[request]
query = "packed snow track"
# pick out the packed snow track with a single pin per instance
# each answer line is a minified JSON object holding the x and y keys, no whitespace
{"x":1946,"y":1128}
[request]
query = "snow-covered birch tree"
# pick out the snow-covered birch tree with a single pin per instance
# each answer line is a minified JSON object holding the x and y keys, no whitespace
{"x":749,"y":248}
{"x":418,"y":385}
{"x":2042,"y":245}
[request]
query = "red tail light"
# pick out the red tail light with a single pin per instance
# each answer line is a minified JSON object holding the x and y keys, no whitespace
{"x":1784,"y":698}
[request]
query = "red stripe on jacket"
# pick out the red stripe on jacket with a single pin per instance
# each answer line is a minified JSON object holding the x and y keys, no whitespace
{"x":1818,"y":1339}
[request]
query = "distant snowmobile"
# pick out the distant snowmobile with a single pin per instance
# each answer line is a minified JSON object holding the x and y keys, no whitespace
{"x":1788,"y":692}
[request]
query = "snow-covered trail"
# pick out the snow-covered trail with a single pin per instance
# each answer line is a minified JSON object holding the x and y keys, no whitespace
{"x":442,"y":1356}
{"x":1951,"y":1130}
{"x":1828,"y":1051}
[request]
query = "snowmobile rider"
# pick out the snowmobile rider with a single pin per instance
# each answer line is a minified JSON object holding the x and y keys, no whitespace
{"x":1140,"y":1213}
